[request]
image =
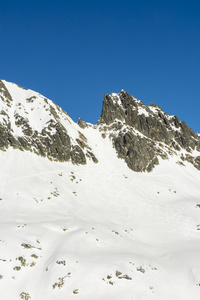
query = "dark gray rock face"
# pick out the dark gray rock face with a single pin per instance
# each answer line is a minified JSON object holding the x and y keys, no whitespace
{"x":138,"y":153}
{"x":82,"y":123}
{"x":141,"y":134}
{"x":52,"y":141}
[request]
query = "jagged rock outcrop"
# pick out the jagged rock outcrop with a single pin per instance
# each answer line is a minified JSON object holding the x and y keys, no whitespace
{"x":141,"y":134}
{"x":82,"y":123}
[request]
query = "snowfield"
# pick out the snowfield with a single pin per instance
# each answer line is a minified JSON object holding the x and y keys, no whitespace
{"x":98,"y":231}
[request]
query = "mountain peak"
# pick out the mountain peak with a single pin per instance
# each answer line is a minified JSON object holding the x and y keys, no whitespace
{"x":30,"y":121}
{"x":141,"y":134}
{"x":118,"y":107}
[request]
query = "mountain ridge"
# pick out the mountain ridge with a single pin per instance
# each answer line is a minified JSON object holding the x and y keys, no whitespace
{"x":140,"y":134}
{"x":42,"y":124}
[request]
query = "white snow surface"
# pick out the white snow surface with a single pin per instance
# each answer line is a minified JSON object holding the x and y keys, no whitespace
{"x":67,"y":230}
{"x":37,"y":112}
{"x":142,"y":111}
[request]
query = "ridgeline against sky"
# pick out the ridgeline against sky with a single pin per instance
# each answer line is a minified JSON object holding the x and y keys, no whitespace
{"x":75,"y":51}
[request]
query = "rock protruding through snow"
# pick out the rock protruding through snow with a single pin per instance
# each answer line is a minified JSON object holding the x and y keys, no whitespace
{"x":141,"y":134}
{"x":31,"y":122}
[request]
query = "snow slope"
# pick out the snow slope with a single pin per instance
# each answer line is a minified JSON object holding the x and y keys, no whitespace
{"x":98,"y":231}
{"x":31,"y":105}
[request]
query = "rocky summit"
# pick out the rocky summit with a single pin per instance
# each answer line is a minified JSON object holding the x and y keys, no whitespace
{"x":141,"y":134}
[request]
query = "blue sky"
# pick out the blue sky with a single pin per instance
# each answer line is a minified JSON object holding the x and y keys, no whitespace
{"x":73,"y":52}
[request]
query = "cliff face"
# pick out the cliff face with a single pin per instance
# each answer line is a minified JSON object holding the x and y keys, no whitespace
{"x":141,"y":134}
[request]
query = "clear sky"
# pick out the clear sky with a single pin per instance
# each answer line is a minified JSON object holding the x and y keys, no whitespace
{"x":73,"y":52}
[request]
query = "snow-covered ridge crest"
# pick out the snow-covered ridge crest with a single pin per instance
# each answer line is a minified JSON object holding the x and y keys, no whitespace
{"x":30,"y":121}
{"x":31,"y":105}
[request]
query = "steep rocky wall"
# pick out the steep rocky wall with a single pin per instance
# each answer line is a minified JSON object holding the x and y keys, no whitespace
{"x":136,"y":130}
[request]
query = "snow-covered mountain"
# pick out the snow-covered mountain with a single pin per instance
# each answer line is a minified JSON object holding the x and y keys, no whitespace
{"x":105,"y":211}
{"x":31,"y":122}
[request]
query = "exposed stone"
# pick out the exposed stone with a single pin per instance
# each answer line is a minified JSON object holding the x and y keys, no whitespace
{"x":92,"y":156}
{"x":23,"y":123}
{"x":77,"y":155}
{"x":197,"y":162}
{"x":4,"y":93}
{"x":141,"y":152}
{"x":138,"y":153}
{"x":53,"y":141}
{"x":82,"y":123}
